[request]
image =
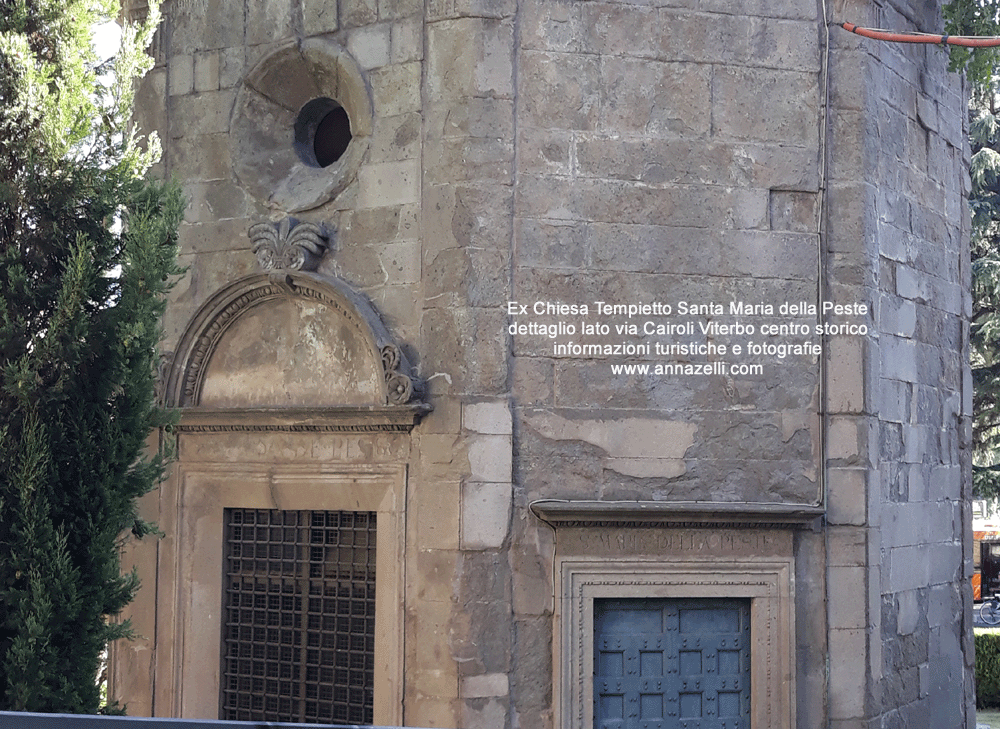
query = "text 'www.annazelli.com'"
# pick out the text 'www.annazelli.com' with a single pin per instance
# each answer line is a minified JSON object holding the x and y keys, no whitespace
{"x":688,"y":368}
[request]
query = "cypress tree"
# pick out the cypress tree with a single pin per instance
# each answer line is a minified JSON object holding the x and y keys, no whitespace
{"x":984,"y":332}
{"x":982,"y":17}
{"x":87,"y":251}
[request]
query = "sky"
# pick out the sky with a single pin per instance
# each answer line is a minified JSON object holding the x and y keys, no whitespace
{"x":106,"y":37}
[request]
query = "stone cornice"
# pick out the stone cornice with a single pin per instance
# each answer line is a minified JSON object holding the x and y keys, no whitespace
{"x":686,"y":514}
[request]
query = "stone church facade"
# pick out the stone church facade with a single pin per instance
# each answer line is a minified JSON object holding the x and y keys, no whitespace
{"x":426,"y":471}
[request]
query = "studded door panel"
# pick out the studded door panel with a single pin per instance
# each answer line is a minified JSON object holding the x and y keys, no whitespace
{"x":671,"y":664}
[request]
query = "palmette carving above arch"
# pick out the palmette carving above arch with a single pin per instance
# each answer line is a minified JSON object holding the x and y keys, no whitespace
{"x":185,"y":379}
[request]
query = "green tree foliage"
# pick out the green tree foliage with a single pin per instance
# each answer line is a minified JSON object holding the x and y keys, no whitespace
{"x":87,"y":249}
{"x":984,"y":137}
{"x":987,"y":670}
{"x":982,"y":17}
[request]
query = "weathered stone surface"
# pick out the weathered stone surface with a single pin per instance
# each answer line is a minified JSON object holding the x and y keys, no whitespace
{"x":848,"y":497}
{"x":561,"y":90}
{"x":438,"y":9}
{"x":369,"y":226}
{"x":614,"y":201}
{"x":396,"y":88}
{"x":354,"y":13}
{"x":485,"y":714}
{"x":151,"y":117}
{"x":491,"y":684}
{"x":205,"y":113}
{"x":552,"y":26}
{"x":407,"y":40}
{"x":848,"y":599}
{"x":633,"y":447}
{"x":439,"y":516}
{"x":213,"y":201}
{"x":478,"y":158}
{"x":470,"y":349}
{"x":486,"y":509}
{"x":277,"y":370}
{"x":370,"y":45}
{"x":319,"y":18}
{"x":389,"y":183}
{"x":395,"y":308}
{"x":478,"y":117}
{"x":685,"y":161}
{"x":452,"y":44}
{"x":201,"y":157}
{"x":467,"y":216}
{"x":435,"y":713}
{"x":532,"y":555}
{"x":847,"y":684}
{"x":533,"y":381}
{"x":205,"y":25}
{"x":206,"y":71}
{"x":791,"y":115}
{"x":395,"y":138}
{"x":268,"y":21}
{"x":490,"y":458}
{"x":181,"y":75}
{"x":382,"y":264}
{"x":487,"y":417}
{"x":470,"y":274}
{"x":657,"y":98}
{"x":220,"y":235}
{"x":532,"y":658}
{"x":568,"y":152}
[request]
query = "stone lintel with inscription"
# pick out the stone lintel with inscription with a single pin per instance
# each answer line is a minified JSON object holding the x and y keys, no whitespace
{"x":293,"y":447}
{"x":357,"y":419}
{"x":722,"y":543}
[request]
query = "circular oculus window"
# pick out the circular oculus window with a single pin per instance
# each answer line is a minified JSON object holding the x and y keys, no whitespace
{"x":322,"y":132}
{"x":301,"y":125}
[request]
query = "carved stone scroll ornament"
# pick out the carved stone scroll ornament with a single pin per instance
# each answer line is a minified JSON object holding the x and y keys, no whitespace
{"x":163,"y":365}
{"x":289,"y":245}
{"x":399,"y":387}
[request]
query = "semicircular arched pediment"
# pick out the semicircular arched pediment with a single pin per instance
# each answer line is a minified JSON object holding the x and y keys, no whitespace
{"x":287,"y":340}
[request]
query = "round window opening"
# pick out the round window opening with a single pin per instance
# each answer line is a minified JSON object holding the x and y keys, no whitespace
{"x":322,"y":132}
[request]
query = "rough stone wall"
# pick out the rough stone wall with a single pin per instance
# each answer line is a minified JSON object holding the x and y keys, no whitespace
{"x":665,"y":153}
{"x":206,"y":49}
{"x":898,"y":465}
{"x":554,"y":150}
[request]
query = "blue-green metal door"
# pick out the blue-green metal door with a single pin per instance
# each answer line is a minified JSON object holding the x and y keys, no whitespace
{"x":671,"y":664}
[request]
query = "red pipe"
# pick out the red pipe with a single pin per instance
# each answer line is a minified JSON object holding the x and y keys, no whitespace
{"x":969,"y":41}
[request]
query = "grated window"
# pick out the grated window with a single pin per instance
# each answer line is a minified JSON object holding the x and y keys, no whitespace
{"x":299,"y":633}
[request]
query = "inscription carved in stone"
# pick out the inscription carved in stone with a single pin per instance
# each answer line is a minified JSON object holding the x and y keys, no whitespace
{"x":289,"y":245}
{"x":702,"y":542}
{"x":279,"y":447}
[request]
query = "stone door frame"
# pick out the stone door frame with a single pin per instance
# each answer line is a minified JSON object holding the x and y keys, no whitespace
{"x":767,"y":582}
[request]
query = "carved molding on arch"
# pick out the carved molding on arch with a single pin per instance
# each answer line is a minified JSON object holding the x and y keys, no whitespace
{"x":185,"y":376}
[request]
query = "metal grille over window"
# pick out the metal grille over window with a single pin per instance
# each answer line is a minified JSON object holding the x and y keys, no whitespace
{"x":299,"y":636}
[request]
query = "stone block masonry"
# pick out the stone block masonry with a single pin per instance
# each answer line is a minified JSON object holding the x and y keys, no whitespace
{"x":729,"y":166}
